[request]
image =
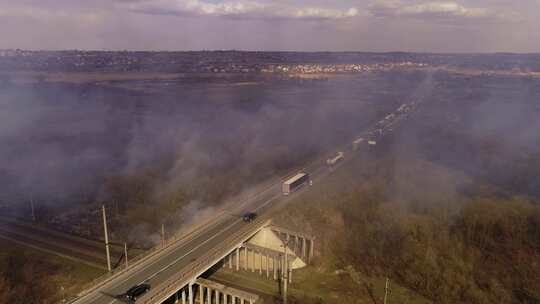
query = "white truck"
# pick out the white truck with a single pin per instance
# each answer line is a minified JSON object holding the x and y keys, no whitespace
{"x":295,"y":182}
{"x":356,"y":144}
{"x":334,"y":160}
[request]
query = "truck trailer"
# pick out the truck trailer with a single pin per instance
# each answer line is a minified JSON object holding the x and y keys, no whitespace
{"x":356,"y":144}
{"x":295,"y":182}
{"x":334,"y":160}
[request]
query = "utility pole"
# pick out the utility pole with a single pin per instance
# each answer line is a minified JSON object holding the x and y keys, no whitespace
{"x":125,"y":254}
{"x":32,"y":209}
{"x":63,"y":291}
{"x":285,"y":273}
{"x":163,"y":235}
{"x":386,"y":291}
{"x":106,"y":239}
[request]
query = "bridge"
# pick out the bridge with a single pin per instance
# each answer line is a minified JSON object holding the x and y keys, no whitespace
{"x":174,"y":271}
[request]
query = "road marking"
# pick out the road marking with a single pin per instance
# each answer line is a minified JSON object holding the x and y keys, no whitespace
{"x":197,"y":247}
{"x":149,"y":265}
{"x":201,"y":244}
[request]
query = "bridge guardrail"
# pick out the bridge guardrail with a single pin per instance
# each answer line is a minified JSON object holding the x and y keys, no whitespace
{"x":171,"y":285}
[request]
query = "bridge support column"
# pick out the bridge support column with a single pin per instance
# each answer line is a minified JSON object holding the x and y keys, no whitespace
{"x":274,"y":267}
{"x":183,"y":296}
{"x":201,"y":294}
{"x":230,"y":260}
{"x":217,"y":296}
{"x":237,"y":258}
{"x":190,"y":293}
{"x":252,"y":260}
{"x":289,"y":274}
{"x":246,"y":259}
{"x":260,"y":263}
{"x":303,"y":248}
{"x":267,"y":266}
{"x":311,"y":245}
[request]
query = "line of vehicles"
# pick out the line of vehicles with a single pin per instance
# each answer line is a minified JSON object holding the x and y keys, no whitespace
{"x":383,"y":126}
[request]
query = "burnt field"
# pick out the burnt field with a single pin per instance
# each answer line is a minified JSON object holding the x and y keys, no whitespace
{"x":485,"y":126}
{"x":166,"y":151}
{"x":155,"y":151}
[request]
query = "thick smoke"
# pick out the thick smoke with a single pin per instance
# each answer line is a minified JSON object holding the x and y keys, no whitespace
{"x":482,"y":130}
{"x":59,"y":142}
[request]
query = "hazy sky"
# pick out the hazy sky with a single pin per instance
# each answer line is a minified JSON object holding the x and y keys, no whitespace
{"x":300,"y":25}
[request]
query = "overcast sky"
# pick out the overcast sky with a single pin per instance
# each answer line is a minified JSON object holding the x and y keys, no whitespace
{"x":297,"y":25}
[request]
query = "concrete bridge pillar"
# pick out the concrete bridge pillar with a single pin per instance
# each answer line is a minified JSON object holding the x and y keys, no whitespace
{"x":201,"y":294}
{"x":253,"y":253}
{"x":217,"y":296}
{"x":260,"y":263}
{"x":303,"y":248}
{"x":190,"y":293}
{"x":274,"y":267}
{"x":183,"y":296}
{"x":312,"y":244}
{"x":208,"y":295}
{"x":238,"y":259}
{"x":289,"y":274}
{"x":246,"y":259}
{"x":230,"y":260}
{"x":267,"y":264}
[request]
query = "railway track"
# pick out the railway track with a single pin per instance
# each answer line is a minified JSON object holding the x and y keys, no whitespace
{"x":89,"y":252}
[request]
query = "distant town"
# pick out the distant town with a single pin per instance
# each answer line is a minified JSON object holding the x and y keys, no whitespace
{"x":252,"y":62}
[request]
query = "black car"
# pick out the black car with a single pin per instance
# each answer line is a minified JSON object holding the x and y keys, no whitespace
{"x":136,"y":291}
{"x":249,"y":217}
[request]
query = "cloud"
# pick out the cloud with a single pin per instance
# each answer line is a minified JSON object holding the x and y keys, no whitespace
{"x":438,"y":10}
{"x":240,"y":9}
{"x":46,"y":14}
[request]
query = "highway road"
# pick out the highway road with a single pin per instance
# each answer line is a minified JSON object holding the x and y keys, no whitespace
{"x":180,"y":257}
{"x":177,"y":259}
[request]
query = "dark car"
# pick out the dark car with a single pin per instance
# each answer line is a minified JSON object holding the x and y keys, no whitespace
{"x":249,"y":217}
{"x":136,"y":291}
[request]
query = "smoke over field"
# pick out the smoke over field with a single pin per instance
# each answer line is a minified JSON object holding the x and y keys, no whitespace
{"x":151,"y":149}
{"x":174,"y":142}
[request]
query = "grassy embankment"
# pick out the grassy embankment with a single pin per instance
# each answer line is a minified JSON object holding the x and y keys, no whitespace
{"x":41,"y":277}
